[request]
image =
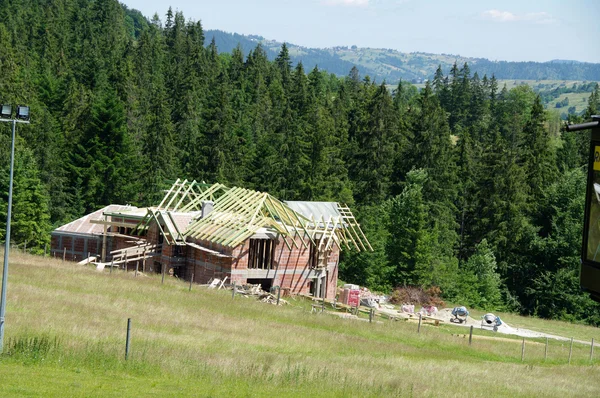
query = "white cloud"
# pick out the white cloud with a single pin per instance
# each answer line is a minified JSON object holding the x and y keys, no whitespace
{"x":350,"y":3}
{"x":506,"y":16}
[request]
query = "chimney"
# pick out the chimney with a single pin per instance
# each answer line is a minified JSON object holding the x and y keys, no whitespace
{"x":207,"y":207}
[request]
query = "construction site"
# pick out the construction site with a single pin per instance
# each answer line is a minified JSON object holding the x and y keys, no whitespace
{"x":201,"y":232}
{"x":251,"y":243}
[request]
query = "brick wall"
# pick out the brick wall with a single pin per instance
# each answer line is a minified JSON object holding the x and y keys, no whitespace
{"x":77,"y":246}
{"x":205,"y":265}
{"x":291,"y":267}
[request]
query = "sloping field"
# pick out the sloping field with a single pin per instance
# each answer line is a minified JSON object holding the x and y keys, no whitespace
{"x":66,"y":327}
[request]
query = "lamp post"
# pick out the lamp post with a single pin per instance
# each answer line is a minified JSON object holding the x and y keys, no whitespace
{"x":589,"y":277}
{"x":22,"y":116}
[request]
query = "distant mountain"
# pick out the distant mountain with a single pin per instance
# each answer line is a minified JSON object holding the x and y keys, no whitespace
{"x":565,"y":61}
{"x":391,"y":65}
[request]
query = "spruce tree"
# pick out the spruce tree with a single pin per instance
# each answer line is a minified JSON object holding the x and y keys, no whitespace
{"x":30,"y":223}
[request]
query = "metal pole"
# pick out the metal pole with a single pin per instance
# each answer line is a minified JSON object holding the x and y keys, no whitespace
{"x":128,"y":340}
{"x":233,"y":292}
{"x":546,"y":350}
{"x":279,"y":295}
{"x":163,"y":273}
{"x":7,"y":239}
{"x":523,"y":350}
{"x":419,"y":327}
{"x":371,"y":316}
{"x":191,"y":281}
{"x":592,"y":350}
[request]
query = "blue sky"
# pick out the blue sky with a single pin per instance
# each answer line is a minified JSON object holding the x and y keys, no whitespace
{"x":524,"y":30}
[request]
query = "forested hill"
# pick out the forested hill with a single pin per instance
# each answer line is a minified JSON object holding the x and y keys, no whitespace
{"x":392,"y":65}
{"x":464,"y":186}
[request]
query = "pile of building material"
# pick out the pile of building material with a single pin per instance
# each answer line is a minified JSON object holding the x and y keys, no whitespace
{"x":256,"y":291}
{"x":350,"y":295}
{"x":271,"y":299}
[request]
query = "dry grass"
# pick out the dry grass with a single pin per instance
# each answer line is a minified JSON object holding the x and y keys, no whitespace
{"x":185,"y":342}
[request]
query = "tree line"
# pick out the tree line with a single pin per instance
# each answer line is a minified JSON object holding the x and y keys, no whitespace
{"x":464,"y":185}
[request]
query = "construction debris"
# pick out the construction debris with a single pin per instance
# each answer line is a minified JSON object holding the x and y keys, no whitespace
{"x":247,"y":290}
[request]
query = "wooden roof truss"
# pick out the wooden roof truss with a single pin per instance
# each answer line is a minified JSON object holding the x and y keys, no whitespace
{"x":184,"y":196}
{"x":240,"y":213}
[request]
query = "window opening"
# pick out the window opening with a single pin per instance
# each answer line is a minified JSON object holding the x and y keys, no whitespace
{"x":260,"y":254}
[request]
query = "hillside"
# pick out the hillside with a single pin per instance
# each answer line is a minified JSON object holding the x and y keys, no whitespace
{"x":66,"y":327}
{"x":392,"y":65}
{"x":119,"y":108}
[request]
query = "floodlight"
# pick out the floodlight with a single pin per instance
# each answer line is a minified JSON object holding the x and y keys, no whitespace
{"x":22,"y":112}
{"x":5,"y":111}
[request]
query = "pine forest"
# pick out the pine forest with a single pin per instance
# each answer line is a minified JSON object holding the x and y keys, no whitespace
{"x":463,"y":185}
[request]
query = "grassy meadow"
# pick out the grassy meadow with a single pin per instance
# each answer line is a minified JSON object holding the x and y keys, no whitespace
{"x":66,"y":327}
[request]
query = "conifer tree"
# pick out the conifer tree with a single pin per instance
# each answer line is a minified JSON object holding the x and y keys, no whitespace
{"x":105,"y":153}
{"x":375,"y":149}
{"x":539,"y":154}
{"x":284,"y":65}
{"x":30,"y":223}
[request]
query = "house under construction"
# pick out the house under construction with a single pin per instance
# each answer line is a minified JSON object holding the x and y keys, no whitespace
{"x":213,"y":231}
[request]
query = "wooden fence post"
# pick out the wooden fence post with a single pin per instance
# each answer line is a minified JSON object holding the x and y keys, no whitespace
{"x":128,"y":339}
{"x":278,"y":294}
{"x":571,"y":350}
{"x":592,"y":350}
{"x":523,"y":350}
{"x":470,"y":334}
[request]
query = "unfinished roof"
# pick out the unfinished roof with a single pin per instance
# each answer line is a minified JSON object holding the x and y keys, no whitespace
{"x":85,"y":225}
{"x":173,"y":224}
{"x":187,"y":195}
{"x":314,"y":210}
{"x":239,"y":214}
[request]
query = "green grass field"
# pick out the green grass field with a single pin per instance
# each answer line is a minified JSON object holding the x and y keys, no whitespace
{"x":66,"y":327}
